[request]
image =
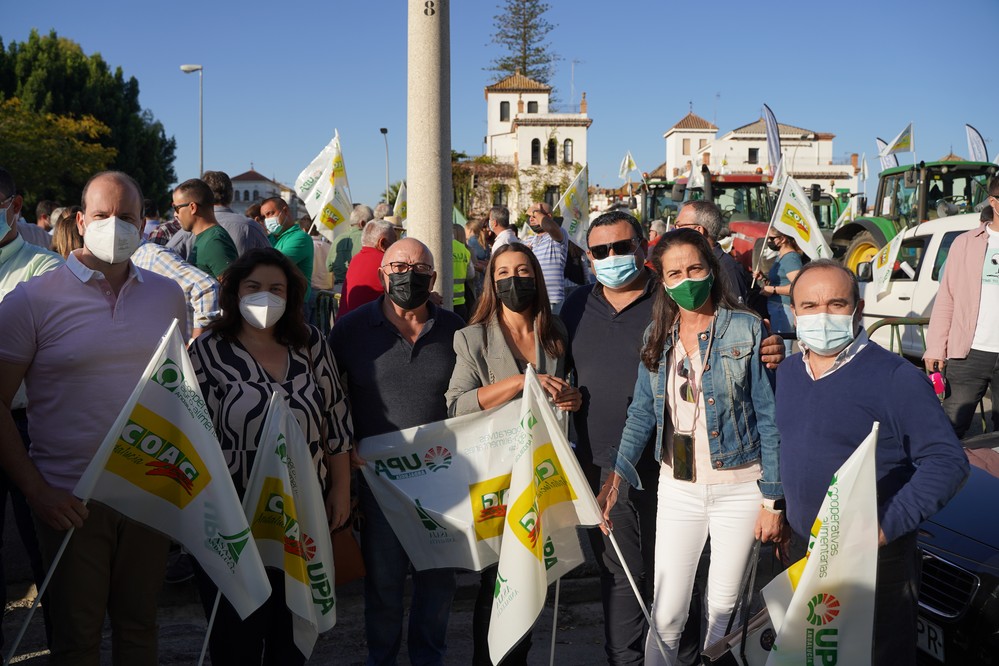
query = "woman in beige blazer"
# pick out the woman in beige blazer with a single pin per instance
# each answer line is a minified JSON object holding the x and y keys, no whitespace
{"x":513,"y":326}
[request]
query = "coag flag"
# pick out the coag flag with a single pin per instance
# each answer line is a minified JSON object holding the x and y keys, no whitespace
{"x":324,"y":189}
{"x":793,"y":217}
{"x":976,"y":145}
{"x":884,"y":265}
{"x":574,"y":208}
{"x":548,"y":496}
{"x":284,"y":505}
{"x":901,"y":143}
{"x":162,"y":466}
{"x":822,"y":607}
{"x":627,"y":166}
{"x":399,"y":209}
{"x":773,"y":138}
{"x":887,"y":161}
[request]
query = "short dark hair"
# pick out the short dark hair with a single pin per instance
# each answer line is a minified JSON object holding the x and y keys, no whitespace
{"x":44,"y":209}
{"x":7,"y":186}
{"x":291,"y":328}
{"x":197,"y":191}
{"x":994,"y":187}
{"x":829,"y":263}
{"x":501,"y":216}
{"x":121,"y":176}
{"x":614,"y":217}
{"x":282,"y":204}
{"x":221,"y":186}
{"x":708,"y":216}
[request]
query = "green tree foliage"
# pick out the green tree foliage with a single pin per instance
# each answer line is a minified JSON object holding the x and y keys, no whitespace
{"x":525,"y":37}
{"x":52,"y":75}
{"x":51,"y":156}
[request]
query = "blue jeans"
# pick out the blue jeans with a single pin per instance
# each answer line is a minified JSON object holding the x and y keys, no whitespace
{"x":781,"y":321}
{"x":387,"y":565}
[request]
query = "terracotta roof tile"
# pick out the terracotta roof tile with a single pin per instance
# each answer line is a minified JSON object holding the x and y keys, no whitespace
{"x":759,"y":127}
{"x":695,"y":122}
{"x":518,"y":83}
{"x":250,"y":175}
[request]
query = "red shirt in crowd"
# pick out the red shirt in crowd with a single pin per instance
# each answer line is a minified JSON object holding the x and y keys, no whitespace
{"x":362,"y":284}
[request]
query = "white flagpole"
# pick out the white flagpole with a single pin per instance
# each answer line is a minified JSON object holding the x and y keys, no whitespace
{"x":211,"y":623}
{"x":756,"y":269}
{"x":551,"y":655}
{"x":638,"y":595}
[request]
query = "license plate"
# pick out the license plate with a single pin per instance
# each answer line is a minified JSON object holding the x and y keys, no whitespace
{"x":930,"y":639}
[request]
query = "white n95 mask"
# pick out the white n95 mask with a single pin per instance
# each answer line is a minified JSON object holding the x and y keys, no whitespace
{"x":262,"y":309}
{"x":112,"y":239}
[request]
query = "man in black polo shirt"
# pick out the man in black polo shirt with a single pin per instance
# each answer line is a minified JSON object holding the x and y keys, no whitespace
{"x":606,"y":323}
{"x":397,"y":353}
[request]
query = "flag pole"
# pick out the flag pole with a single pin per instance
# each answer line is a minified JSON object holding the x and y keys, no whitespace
{"x":756,"y":269}
{"x":551,"y":654}
{"x":211,"y":623}
{"x":638,"y":595}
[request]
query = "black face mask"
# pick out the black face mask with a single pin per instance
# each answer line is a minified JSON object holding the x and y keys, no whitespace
{"x":538,"y":229}
{"x":516,"y":293}
{"x":409,"y":290}
{"x":772,"y":245}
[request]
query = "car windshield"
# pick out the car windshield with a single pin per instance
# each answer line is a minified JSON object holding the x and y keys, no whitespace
{"x":738,"y":202}
{"x":941,"y":259}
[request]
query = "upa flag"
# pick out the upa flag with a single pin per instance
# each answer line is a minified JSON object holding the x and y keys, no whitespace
{"x":887,"y":161}
{"x":976,"y":145}
{"x":793,"y":217}
{"x":162,"y":466}
{"x":884,"y":265}
{"x":323,"y":187}
{"x":548,"y":496}
{"x":284,"y":505}
{"x":627,"y":166}
{"x":901,"y":143}
{"x":574,"y":208}
{"x":399,"y":208}
{"x":773,"y":138}
{"x":822,"y":607}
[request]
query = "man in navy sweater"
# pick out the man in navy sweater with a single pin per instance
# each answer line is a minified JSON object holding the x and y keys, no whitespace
{"x":828,"y":397}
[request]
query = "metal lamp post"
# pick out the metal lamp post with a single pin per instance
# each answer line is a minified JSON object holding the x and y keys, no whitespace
{"x":384,"y":131}
{"x":188,"y":69}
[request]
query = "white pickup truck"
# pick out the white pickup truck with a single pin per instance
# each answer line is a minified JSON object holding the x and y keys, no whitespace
{"x":913,"y":288}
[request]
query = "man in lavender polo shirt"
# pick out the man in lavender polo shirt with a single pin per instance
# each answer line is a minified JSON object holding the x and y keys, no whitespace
{"x":80,"y":336}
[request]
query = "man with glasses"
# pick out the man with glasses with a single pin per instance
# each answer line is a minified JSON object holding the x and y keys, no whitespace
{"x":964,"y":326}
{"x":397,"y":354}
{"x":550,"y":245}
{"x":706,"y":218}
{"x":213,"y":249}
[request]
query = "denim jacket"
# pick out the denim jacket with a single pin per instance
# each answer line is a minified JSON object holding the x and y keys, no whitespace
{"x":738,"y":401}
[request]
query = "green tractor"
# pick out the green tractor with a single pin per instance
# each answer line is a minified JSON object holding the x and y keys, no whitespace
{"x":908,"y":195}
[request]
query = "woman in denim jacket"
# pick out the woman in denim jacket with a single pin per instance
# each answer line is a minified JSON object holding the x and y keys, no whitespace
{"x":718,"y":447}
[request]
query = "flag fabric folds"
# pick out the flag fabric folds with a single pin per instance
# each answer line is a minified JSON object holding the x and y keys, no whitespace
{"x":284,"y":504}
{"x":887,"y":161}
{"x":793,"y":217}
{"x":779,"y":176}
{"x":627,"y":166}
{"x":399,"y":208}
{"x":323,"y":187}
{"x":884,"y":265}
{"x":574,"y":208}
{"x":900,"y":144}
{"x":161,"y":465}
{"x":773,"y":138}
{"x":976,"y":145}
{"x":822,"y":607}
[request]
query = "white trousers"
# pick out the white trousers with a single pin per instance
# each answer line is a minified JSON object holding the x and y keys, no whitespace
{"x":688,"y":514}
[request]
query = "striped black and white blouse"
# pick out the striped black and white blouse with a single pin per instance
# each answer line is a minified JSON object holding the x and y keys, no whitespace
{"x":237,"y":390}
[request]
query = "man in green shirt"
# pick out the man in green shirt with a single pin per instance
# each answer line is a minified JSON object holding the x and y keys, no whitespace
{"x":288,"y":238}
{"x":194,"y":207}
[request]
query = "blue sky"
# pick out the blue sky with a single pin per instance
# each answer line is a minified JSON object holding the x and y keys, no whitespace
{"x":279,"y":78}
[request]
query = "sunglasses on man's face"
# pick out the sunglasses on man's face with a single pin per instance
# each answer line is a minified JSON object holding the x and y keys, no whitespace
{"x":620,"y":247}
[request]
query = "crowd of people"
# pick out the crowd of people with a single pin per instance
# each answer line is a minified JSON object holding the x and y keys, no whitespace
{"x":698,"y":430}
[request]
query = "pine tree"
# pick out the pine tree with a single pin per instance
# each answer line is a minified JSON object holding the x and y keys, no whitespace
{"x":525,"y":35}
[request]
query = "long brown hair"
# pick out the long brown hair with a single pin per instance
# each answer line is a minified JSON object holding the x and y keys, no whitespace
{"x":489,"y":305}
{"x":665,"y":311}
{"x":291,"y":328}
{"x":66,"y":236}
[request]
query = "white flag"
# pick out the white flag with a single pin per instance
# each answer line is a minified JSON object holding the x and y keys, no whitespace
{"x":901,"y":143}
{"x":284,"y":505}
{"x":399,"y":208}
{"x":884,"y":265}
{"x":773,"y":139}
{"x":627,"y":166}
{"x":780,"y":175}
{"x":976,"y":145}
{"x":548,"y":496}
{"x":863,"y":167}
{"x":323,"y":187}
{"x":822,"y":608}
{"x":887,"y":161}
{"x":793,"y":217}
{"x":162,"y":466}
{"x":574,"y":208}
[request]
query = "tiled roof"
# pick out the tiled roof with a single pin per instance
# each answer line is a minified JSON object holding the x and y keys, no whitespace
{"x":251,"y":175}
{"x":659,"y":173}
{"x":694,"y":122}
{"x":951,"y":157}
{"x":759,"y":127}
{"x":518,"y":83}
{"x":552,"y":120}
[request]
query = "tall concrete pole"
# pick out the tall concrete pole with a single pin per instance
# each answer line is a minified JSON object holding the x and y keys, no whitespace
{"x":430,"y":197}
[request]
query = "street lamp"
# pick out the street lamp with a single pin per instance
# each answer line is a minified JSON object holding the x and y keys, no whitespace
{"x":384,"y":131}
{"x":189,"y":69}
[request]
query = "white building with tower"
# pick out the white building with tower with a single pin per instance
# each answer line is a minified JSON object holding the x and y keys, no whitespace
{"x":252,"y":187}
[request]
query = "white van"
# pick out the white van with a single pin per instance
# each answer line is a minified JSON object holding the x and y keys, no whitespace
{"x":914,"y":285}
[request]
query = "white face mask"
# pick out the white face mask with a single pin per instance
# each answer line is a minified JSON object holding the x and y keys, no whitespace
{"x":4,"y":224}
{"x":112,"y":239}
{"x":262,"y":309}
{"x":273,"y":224}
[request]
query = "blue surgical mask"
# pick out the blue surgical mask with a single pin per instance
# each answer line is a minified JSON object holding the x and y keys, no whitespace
{"x":615,"y":270}
{"x":4,"y":224}
{"x":826,"y":334}
{"x":273,"y":224}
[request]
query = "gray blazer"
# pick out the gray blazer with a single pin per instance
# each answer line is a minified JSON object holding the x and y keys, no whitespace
{"x":483,"y":358}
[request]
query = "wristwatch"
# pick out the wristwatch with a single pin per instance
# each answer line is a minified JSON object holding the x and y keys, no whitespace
{"x":775,"y":506}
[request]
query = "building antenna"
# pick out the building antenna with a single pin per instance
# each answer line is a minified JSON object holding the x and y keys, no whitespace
{"x":714,"y":120}
{"x":572,"y":81}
